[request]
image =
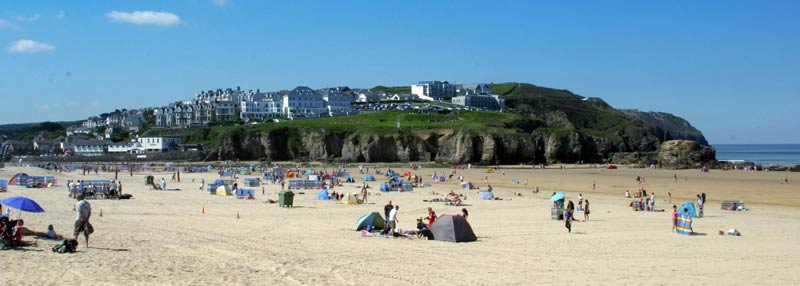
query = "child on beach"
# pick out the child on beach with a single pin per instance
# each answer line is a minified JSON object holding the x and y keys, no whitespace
{"x":674,"y":217}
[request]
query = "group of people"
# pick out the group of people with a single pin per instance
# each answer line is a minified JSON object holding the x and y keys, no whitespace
{"x":424,"y":224}
{"x":90,"y":189}
{"x":569,"y":212}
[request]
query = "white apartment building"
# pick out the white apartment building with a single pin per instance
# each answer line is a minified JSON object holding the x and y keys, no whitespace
{"x":433,"y":90}
{"x":90,"y":147}
{"x":133,"y":147}
{"x":303,"y":102}
{"x":159,"y":144}
{"x":258,"y":110}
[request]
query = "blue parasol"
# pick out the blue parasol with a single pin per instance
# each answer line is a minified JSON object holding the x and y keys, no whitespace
{"x":23,"y":204}
{"x":557,"y":197}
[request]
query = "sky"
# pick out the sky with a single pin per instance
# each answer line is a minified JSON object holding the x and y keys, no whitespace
{"x":731,"y":68}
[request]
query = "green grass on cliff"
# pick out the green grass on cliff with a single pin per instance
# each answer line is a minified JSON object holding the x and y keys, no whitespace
{"x":378,"y":122}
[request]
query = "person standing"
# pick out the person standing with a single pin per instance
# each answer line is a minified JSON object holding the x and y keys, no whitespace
{"x":364,"y":193}
{"x":387,"y":209}
{"x":674,"y":218}
{"x":586,"y":210}
{"x":202,"y":184}
{"x":594,"y":185}
{"x":82,"y":224}
{"x":393,"y":219}
{"x":163,"y":184}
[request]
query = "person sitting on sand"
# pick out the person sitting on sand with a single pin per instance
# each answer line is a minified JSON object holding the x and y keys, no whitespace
{"x":627,"y":194}
{"x":51,"y":233}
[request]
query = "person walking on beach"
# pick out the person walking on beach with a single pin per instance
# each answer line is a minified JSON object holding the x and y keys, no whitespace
{"x":568,"y":212}
{"x":669,"y":197}
{"x":431,"y":217}
{"x":173,"y":177}
{"x":586,"y":210}
{"x":163,"y":184}
{"x":594,"y":185}
{"x":364,"y":193}
{"x":675,"y":178}
{"x":202,"y":184}
{"x":82,"y":224}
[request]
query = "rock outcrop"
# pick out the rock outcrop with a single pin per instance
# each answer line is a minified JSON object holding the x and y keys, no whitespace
{"x":685,"y":154}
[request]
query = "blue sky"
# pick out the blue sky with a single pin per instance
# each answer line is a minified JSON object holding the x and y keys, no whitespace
{"x":729,"y":67}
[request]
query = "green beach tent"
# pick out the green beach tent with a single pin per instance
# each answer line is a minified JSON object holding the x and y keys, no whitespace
{"x":374,"y":219}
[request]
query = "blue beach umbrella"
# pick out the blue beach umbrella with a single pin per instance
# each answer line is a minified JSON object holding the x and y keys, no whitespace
{"x":557,"y":197}
{"x":23,"y":204}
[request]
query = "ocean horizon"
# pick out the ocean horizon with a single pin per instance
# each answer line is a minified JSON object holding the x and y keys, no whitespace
{"x":765,"y":154}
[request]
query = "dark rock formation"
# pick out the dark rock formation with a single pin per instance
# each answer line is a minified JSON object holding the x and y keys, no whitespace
{"x":685,"y":154}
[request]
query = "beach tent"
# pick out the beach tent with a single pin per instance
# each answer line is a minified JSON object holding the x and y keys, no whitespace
{"x":690,"y":206}
{"x":243,"y":194}
{"x":466,"y":185}
{"x":684,"y":225}
{"x":453,"y":228}
{"x":15,"y":179}
{"x":490,"y":170}
{"x":515,"y":180}
{"x":323,"y":194}
{"x":486,"y":195}
{"x":612,"y":167}
{"x":369,"y":178}
{"x":349,"y":199}
{"x":309,"y":172}
{"x":223,"y":191}
{"x":385,"y":187}
{"x":350,"y":179}
{"x":374,"y":219}
{"x":3,"y":185}
{"x":290,"y":175}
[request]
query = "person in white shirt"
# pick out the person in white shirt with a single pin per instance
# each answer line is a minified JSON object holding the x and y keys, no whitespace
{"x":84,"y":210}
{"x":393,"y":218}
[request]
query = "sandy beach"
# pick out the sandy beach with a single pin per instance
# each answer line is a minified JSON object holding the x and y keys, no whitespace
{"x":163,"y":238}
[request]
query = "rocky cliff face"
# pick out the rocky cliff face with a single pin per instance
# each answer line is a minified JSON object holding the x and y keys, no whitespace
{"x":685,"y":154}
{"x":454,"y":147}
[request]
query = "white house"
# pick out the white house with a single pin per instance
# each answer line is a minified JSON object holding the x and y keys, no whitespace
{"x":337,"y":102}
{"x":90,"y":147}
{"x":159,"y":144}
{"x":133,"y":147}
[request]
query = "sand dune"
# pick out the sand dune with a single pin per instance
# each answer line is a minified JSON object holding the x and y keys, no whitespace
{"x":162,"y":238}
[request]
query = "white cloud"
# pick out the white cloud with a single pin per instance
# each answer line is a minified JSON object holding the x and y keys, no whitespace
{"x":60,"y":15}
{"x":219,"y":2}
{"x":27,"y":19}
{"x":30,"y":47}
{"x":8,"y":25}
{"x":164,"y":19}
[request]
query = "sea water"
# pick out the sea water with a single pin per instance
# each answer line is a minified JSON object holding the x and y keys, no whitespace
{"x":766,"y":154}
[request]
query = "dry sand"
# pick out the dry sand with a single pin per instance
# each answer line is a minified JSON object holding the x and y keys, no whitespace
{"x":162,"y":238}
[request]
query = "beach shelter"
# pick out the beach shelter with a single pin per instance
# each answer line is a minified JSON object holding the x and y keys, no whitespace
{"x":223,"y":191}
{"x":15,"y":179}
{"x":489,"y":170}
{"x":349,"y":199}
{"x":466,"y":185}
{"x":374,"y":219}
{"x":290,"y":175}
{"x":690,"y":207}
{"x":453,"y":228}
{"x":385,"y":187}
{"x":323,"y":194}
{"x":3,"y":185}
{"x":350,"y":179}
{"x":486,"y":195}
{"x":515,"y":180}
{"x":684,"y":225}
{"x":612,"y":167}
{"x":369,"y":178}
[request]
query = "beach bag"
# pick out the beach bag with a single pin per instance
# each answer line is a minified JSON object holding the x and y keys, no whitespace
{"x":66,"y":246}
{"x":88,"y":229}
